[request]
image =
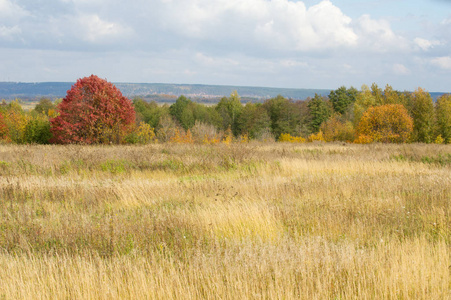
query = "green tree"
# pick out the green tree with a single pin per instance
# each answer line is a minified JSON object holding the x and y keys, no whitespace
{"x":149,"y":112}
{"x":423,"y":116}
{"x":284,"y":115}
{"x":207,"y":115}
{"x":377,"y":94}
{"x":391,"y":96}
{"x":319,"y":112}
{"x":443,"y":116}
{"x":254,"y":120}
{"x":301,"y":108}
{"x":342,"y":98}
{"x":230,"y":108}
{"x":181,"y":110}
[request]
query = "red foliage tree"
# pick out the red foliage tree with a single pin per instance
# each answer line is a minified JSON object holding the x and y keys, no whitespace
{"x":94,"y":111}
{"x":3,"y":127}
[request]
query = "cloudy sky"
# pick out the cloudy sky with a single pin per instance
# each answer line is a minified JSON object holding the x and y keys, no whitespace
{"x":277,"y":43}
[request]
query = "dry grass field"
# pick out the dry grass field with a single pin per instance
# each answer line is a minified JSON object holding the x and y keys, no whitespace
{"x":244,"y":221}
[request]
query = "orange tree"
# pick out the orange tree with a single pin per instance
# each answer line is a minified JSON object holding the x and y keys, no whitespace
{"x":94,"y":111}
{"x":389,"y":123}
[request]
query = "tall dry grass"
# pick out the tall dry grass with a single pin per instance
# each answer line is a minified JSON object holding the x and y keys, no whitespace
{"x":247,"y":221}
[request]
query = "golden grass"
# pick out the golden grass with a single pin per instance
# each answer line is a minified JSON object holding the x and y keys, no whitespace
{"x":248,"y":221}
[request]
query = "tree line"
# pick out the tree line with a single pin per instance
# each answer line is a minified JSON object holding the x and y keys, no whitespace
{"x":95,"y":112}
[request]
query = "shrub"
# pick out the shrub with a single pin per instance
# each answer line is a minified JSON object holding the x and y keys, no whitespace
{"x":227,"y":137}
{"x":318,"y":137}
{"x":143,"y":134}
{"x":94,"y":111}
{"x":37,"y":131}
{"x":439,"y":140}
{"x":182,"y":137}
{"x":167,"y":129}
{"x":205,"y":133}
{"x":335,"y":129}
{"x":286,"y":137}
{"x":364,"y":139}
{"x":265,"y":135}
{"x":389,"y":123}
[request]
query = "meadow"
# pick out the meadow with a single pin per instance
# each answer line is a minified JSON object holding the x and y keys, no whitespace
{"x":239,"y":221}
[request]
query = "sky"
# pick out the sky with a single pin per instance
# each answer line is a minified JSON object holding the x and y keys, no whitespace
{"x":274,"y":43}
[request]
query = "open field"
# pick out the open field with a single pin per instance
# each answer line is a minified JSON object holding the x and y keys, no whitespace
{"x":244,"y":221}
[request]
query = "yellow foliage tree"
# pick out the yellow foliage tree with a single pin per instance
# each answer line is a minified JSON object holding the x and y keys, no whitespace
{"x":16,"y":121}
{"x":389,"y":123}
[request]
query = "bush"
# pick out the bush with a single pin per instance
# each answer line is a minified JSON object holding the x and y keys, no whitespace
{"x":143,"y":134}
{"x":37,"y":131}
{"x":286,"y":137}
{"x":335,"y":129}
{"x":205,"y":133}
{"x":318,"y":137}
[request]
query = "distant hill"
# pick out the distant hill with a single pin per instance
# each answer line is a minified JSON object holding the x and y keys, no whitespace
{"x":162,"y":92}
{"x":156,"y":91}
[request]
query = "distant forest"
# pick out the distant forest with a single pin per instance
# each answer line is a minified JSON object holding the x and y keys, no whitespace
{"x":159,"y":92}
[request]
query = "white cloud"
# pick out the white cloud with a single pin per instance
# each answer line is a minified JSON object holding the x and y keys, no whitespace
{"x":94,"y":29}
{"x":443,"y":62}
{"x":290,"y":63}
{"x":331,"y":24}
{"x":10,"y":10}
{"x":425,"y":45}
{"x":83,"y":1}
{"x":210,"y":61}
{"x":446,"y":21}
{"x":278,"y":24}
{"x":400,"y":69}
{"x":9,"y":32}
{"x":377,"y":35}
{"x":251,"y":27}
{"x":258,"y":42}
